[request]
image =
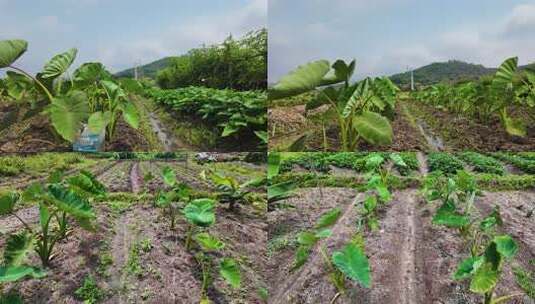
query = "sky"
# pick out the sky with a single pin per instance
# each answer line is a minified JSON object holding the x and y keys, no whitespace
{"x":389,"y":36}
{"x":121,"y":33}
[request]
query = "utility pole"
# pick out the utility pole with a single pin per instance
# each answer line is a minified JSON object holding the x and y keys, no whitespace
{"x":412,"y":80}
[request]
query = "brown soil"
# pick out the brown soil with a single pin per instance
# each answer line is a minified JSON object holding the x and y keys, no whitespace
{"x":289,"y":126}
{"x":168,"y":273}
{"x":461,"y":134}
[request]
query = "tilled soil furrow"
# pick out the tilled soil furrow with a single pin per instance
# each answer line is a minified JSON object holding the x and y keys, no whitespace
{"x":136,"y":180}
{"x":306,"y":285}
{"x":394,"y":259}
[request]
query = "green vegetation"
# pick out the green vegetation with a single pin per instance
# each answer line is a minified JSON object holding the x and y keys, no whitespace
{"x":482,"y":163}
{"x":525,"y":164}
{"x":444,"y":162}
{"x":231,"y":113}
{"x":489,"y":97}
{"x":89,"y":292}
{"x":40,"y":163}
{"x":235,"y":64}
{"x":361,"y":109}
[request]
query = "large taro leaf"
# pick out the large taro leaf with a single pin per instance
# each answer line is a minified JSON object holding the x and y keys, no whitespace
{"x":504,"y":76}
{"x":352,"y":262}
{"x":360,"y":92}
{"x":10,"y":51}
{"x":200,"y":212}
{"x":169,"y":176}
{"x":341,"y":72}
{"x":98,"y":121}
{"x":59,"y":64}
{"x":73,"y":204}
{"x":325,"y":96}
{"x":209,"y":242}
{"x":305,"y":78}
{"x":85,"y":182}
{"x":7,"y":202}
{"x":329,"y":218}
{"x":505,"y":246}
{"x":130,"y":113}
{"x":484,"y":279}
{"x":230,"y":271}
{"x":90,"y":73}
{"x":68,"y":113}
{"x":16,"y":248}
{"x":374,"y":128}
{"x":114,"y":90}
{"x":15,"y":273}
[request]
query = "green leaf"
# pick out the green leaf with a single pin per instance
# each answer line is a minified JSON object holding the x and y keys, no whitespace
{"x":71,"y":203}
{"x":86,"y":183}
{"x":329,"y":218}
{"x":68,"y":113}
{"x":514,"y":127}
{"x":280,"y":191}
{"x":342,"y":72}
{"x":370,"y":203}
{"x":484,"y":279}
{"x":169,"y":176}
{"x":361,"y":92}
{"x":506,"y":246}
{"x":325,"y":96}
{"x":301,"y":256}
{"x":274,"y":160}
{"x":8,"y":202}
{"x":200,"y":212}
{"x":263,"y":135}
{"x":98,"y":121}
{"x":10,"y":51}
{"x":352,"y":262}
{"x":208,"y":242}
{"x":230,"y":271}
{"x":229,"y":130}
{"x":467,"y":267}
{"x":15,"y":273}
{"x":59,"y":64}
{"x":17,"y":247}
{"x":447,"y":215}
{"x":325,"y":233}
{"x":305,"y":78}
{"x":307,"y":238}
{"x":504,"y":76}
{"x":130,"y":114}
{"x":374,"y":128}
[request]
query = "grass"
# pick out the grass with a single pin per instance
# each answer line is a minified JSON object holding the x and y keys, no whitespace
{"x":482,"y":163}
{"x":90,"y":292}
{"x":525,"y":280}
{"x":42,"y":163}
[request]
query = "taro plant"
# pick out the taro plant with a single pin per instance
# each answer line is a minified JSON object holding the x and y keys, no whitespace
{"x":230,"y":191}
{"x":60,"y":200}
{"x":277,"y":191}
{"x":484,"y":270}
{"x":172,"y":201}
{"x":229,"y":269}
{"x":89,"y":97}
{"x":361,"y":109}
{"x":200,"y":214}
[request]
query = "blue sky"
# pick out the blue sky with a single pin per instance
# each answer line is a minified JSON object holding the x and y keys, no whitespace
{"x":120,"y":33}
{"x":386,"y":36}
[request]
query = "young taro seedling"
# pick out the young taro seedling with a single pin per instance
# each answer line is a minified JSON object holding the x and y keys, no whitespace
{"x":484,"y":270}
{"x":172,"y":201}
{"x":277,"y":191}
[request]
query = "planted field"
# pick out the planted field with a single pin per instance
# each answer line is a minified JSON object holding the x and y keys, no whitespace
{"x":136,"y":230}
{"x":378,"y":234}
{"x":316,"y":107}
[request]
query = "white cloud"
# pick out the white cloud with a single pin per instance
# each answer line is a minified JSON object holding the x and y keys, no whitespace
{"x":188,"y":34}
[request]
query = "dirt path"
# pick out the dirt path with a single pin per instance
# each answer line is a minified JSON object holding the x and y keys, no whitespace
{"x":136,"y":180}
{"x":395,"y":262}
{"x":422,"y":160}
{"x":434,"y":142}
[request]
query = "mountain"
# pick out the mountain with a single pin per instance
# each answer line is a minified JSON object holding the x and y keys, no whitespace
{"x":147,"y":70}
{"x":452,"y":70}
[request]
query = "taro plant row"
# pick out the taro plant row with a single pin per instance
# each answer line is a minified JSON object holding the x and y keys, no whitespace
{"x":199,"y":215}
{"x":89,"y":96}
{"x":489,"y":97}
{"x":232,"y":112}
{"x":62,"y":202}
{"x":488,"y":251}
